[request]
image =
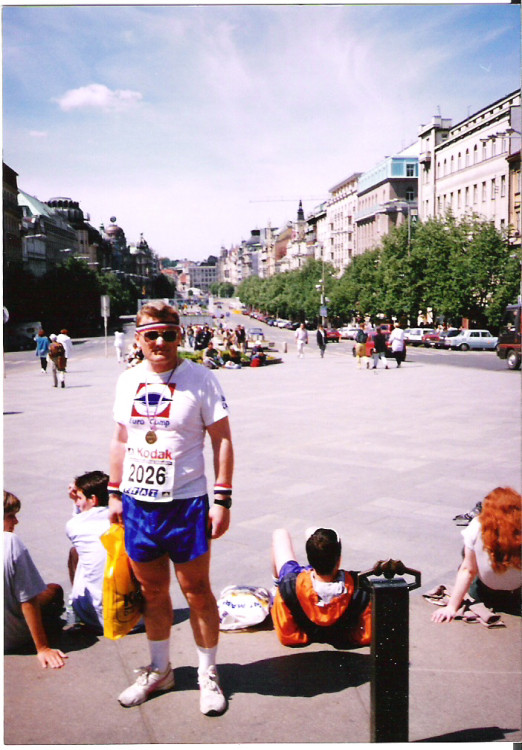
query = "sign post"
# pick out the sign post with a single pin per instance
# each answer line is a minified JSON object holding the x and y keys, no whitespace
{"x":105,"y":312}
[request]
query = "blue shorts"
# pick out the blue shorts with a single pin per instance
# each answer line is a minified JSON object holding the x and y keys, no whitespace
{"x":291,"y":567}
{"x":179,"y":529}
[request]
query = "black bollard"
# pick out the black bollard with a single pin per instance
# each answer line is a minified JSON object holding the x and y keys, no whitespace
{"x":389,"y":649}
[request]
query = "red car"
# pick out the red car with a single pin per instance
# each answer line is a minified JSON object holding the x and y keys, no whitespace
{"x":436,"y":338}
{"x":333,"y":335}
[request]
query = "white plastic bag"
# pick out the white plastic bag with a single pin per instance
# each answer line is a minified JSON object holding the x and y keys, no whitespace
{"x":243,"y":607}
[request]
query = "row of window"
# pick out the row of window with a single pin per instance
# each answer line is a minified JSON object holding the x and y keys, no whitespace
{"x":447,"y":166}
{"x":470,"y":195}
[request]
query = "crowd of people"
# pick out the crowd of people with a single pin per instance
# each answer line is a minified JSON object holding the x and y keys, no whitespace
{"x":219,"y":347}
{"x":156,"y":487}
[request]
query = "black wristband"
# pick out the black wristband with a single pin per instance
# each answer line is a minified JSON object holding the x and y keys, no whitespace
{"x":226,"y":502}
{"x":115,"y":492}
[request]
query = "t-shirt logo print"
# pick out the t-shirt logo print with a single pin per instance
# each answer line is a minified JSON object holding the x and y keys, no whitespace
{"x":152,"y":396}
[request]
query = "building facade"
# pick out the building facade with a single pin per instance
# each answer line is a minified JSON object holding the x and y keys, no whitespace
{"x":464,"y":168}
{"x":387,"y":197}
{"x":341,"y":243}
{"x":47,"y":238}
{"x":11,"y":218}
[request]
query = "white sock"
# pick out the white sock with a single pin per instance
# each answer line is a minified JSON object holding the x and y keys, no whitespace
{"x":159,"y":654}
{"x":207,"y":658}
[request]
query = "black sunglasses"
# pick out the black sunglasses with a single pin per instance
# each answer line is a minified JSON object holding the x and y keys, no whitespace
{"x":165,"y":335}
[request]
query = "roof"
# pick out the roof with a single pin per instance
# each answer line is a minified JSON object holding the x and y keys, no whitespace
{"x":36,"y":207}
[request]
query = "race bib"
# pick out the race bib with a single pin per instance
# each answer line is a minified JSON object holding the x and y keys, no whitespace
{"x":148,"y":474}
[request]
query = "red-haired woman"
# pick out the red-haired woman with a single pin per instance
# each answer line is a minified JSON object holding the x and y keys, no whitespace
{"x":491,"y":569}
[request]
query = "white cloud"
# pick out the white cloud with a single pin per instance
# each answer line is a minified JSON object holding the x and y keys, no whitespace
{"x":98,"y":96}
{"x":38,"y":133}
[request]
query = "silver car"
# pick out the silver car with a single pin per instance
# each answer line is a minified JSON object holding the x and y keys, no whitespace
{"x":471,"y":339}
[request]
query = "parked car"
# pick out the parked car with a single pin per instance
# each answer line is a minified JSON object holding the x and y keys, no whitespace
{"x":436,"y":338}
{"x":471,"y":339}
{"x":332,"y":335}
{"x":414,"y":335}
{"x":348,"y":332}
{"x":17,"y":342}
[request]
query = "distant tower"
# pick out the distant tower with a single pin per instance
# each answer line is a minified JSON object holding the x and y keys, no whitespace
{"x":300,"y":227}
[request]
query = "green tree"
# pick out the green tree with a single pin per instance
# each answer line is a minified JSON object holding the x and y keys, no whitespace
{"x":70,"y":298}
{"x":226,"y":289}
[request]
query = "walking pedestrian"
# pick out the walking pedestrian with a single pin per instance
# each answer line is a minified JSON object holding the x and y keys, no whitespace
{"x":361,"y":337}
{"x":397,"y":344}
{"x":58,"y":361}
{"x":321,"y":339}
{"x":157,"y":489}
{"x":119,"y":342}
{"x":379,"y":351}
{"x":64,"y":338}
{"x":301,"y":338}
{"x":42,"y":348}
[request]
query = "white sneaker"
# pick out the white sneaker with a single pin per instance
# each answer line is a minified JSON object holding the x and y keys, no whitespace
{"x":211,"y":698}
{"x":149,"y":681}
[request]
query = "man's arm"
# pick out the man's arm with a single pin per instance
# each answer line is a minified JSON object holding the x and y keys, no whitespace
{"x":47,"y":656}
{"x":221,"y":440}
{"x":116,"y":456}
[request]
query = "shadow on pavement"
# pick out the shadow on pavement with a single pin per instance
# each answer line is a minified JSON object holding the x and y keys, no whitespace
{"x":480,"y":734}
{"x":295,"y":675}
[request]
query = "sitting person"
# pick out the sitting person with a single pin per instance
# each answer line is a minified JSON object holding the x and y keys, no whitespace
{"x":491,"y":569}
{"x":88,"y":556}
{"x":317,"y":603}
{"x":258,"y":354}
{"x":234,"y":359}
{"x":29,"y":605}
{"x":212,"y":358}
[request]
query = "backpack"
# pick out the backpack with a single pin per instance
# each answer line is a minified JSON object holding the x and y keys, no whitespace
{"x":243,"y":607}
{"x":56,"y":350}
{"x":57,"y":355}
{"x":361,"y":337}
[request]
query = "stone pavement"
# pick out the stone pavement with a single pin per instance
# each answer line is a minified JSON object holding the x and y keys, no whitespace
{"x":386,"y":457}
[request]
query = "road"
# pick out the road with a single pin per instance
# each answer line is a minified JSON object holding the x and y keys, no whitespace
{"x":88,"y":347}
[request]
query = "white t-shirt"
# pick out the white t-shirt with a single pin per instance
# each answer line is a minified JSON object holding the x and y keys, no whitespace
{"x":84,"y":531}
{"x":397,"y":340}
{"x":62,"y":338}
{"x":507,"y":581}
{"x":22,"y":582}
{"x":181,"y":405}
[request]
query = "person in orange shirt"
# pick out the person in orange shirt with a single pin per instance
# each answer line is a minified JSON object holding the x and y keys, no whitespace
{"x":317,"y":603}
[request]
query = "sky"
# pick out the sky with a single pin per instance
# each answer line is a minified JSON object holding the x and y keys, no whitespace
{"x":196,"y":124}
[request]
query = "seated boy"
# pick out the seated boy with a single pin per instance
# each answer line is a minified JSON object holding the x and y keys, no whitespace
{"x":212,"y":358}
{"x":28,"y":602}
{"x":88,"y":556}
{"x":318,"y":603}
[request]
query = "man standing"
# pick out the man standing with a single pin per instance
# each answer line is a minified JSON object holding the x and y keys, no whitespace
{"x":119,"y":341}
{"x":321,"y":339}
{"x":163,"y":408}
{"x":301,"y":337}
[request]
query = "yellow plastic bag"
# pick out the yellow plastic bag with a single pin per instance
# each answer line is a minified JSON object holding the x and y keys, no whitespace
{"x":122,"y":599}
